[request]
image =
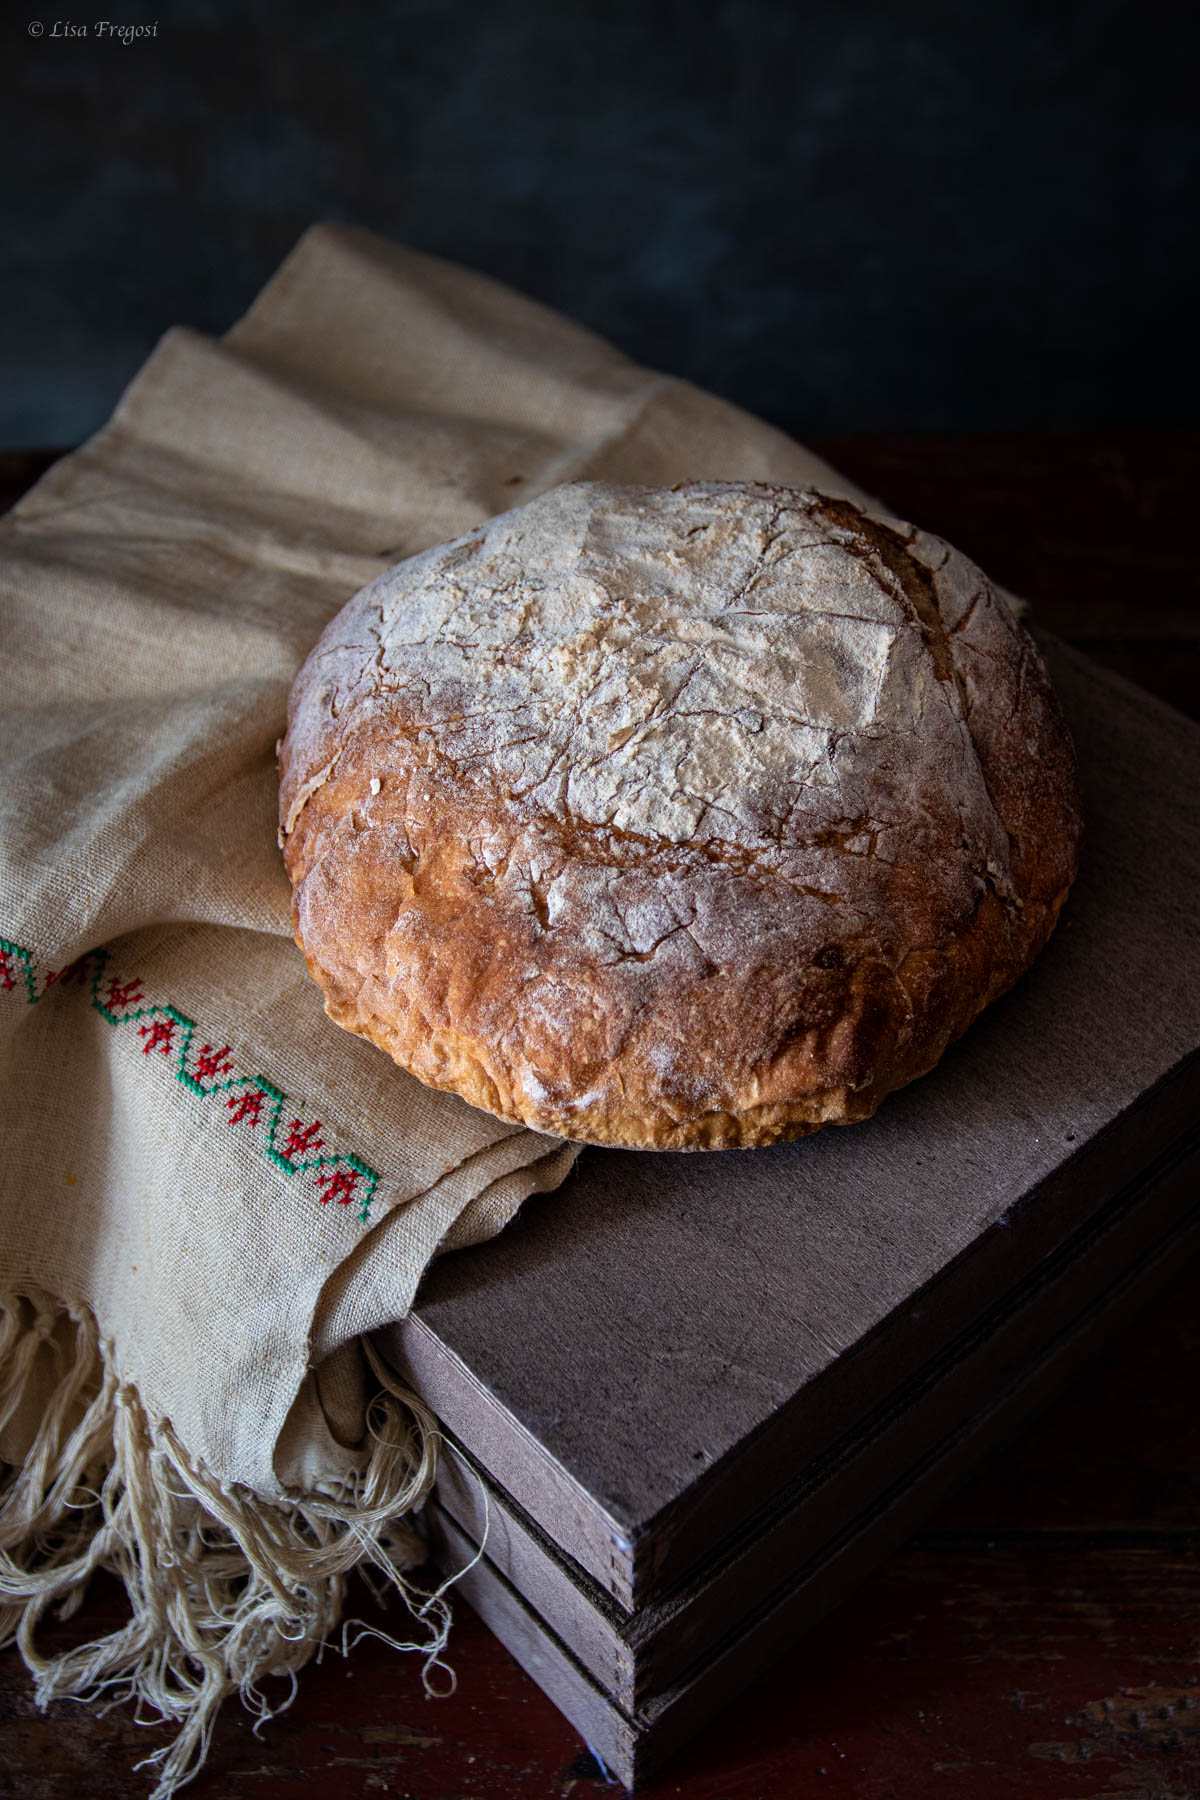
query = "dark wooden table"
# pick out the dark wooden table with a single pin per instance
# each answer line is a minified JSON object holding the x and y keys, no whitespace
{"x":1042,"y":1636}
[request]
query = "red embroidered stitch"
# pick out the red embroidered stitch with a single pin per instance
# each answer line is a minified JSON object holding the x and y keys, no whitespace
{"x":246,"y":1105}
{"x":159,"y":1035}
{"x":338,"y":1184}
{"x":303,"y":1140}
{"x":344,"y":1178}
{"x":211,"y":1063}
{"x":124,"y":993}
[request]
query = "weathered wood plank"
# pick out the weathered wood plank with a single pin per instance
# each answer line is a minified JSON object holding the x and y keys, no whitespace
{"x":1007,"y":1365}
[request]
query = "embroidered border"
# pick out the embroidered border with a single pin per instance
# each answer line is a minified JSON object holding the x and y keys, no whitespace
{"x":250,"y":1100}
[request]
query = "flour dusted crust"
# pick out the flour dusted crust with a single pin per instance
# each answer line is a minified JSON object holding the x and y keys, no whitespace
{"x":687,"y":818}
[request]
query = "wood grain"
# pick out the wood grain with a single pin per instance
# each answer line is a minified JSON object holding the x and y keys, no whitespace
{"x":840,"y":1513}
{"x":989,"y":1657}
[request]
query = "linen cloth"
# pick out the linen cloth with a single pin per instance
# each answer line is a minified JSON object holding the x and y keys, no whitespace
{"x":211,"y":1192}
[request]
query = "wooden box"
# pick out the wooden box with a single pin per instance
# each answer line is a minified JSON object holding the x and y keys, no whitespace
{"x":690,"y":1399}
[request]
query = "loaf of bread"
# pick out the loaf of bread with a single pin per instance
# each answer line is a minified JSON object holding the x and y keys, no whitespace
{"x":682,"y":818}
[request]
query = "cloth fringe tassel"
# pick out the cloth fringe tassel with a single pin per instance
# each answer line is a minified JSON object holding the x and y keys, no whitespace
{"x":225,"y":1587}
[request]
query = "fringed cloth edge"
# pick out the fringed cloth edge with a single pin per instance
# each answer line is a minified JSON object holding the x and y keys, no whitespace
{"x":224,"y":1586}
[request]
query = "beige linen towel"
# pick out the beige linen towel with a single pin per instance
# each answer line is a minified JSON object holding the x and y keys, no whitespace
{"x":211,"y":1192}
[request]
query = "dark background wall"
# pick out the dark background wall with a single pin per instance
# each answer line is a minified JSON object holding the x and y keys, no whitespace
{"x":856,"y":216}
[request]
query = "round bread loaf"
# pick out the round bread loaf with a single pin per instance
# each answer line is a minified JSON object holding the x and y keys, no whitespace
{"x":684,"y":818}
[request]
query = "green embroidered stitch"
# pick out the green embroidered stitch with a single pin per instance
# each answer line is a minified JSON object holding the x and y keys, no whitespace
{"x":343,"y":1177}
{"x":9,"y":976}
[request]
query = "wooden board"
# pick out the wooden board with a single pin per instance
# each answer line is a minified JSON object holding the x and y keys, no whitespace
{"x":648,"y":1357}
{"x":636,"y":1657}
{"x":632,"y":1744}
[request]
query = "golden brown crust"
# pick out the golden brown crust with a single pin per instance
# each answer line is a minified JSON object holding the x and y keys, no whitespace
{"x":540,"y":875}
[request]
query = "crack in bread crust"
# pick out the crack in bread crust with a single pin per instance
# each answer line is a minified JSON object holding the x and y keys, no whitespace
{"x":686,"y":818}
